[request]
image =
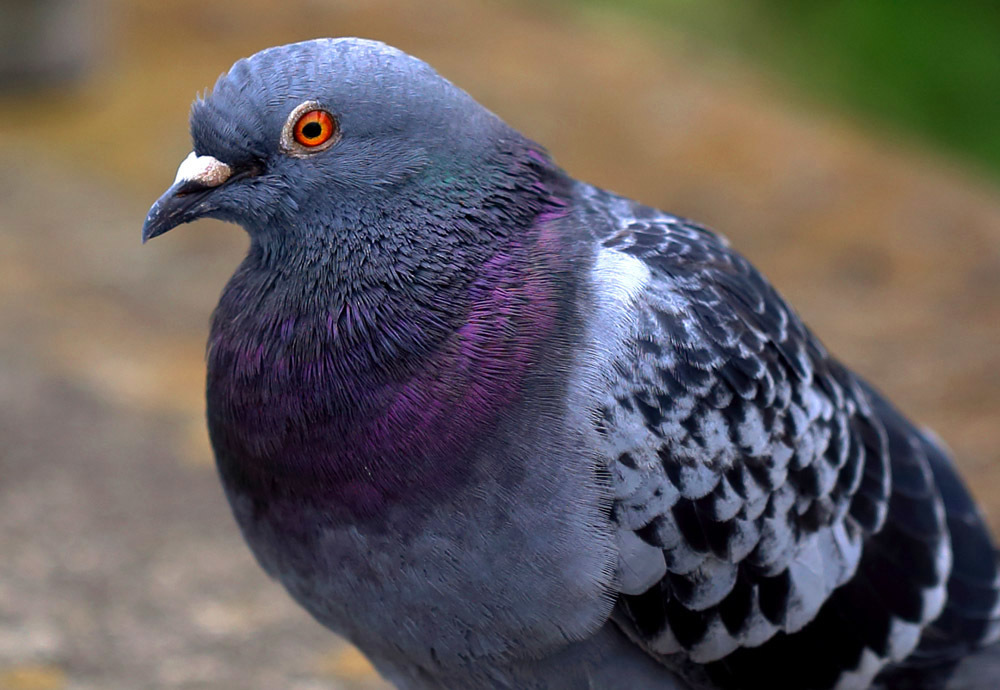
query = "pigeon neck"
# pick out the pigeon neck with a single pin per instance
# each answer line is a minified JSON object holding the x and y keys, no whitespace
{"x":366,"y":396}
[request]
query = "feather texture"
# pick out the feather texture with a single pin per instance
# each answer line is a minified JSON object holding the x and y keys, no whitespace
{"x":793,"y":509}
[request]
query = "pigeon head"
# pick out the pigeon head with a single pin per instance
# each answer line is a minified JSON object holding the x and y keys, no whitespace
{"x":315,"y":141}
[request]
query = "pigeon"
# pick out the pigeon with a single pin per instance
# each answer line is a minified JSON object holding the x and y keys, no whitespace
{"x":503,"y":429}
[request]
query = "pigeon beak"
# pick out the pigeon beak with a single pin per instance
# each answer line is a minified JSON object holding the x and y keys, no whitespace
{"x":185,"y":200}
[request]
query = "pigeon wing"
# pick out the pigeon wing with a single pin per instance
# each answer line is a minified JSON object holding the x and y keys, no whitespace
{"x":751,"y":471}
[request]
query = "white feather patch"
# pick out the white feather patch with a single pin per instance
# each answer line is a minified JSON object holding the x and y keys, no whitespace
{"x":618,"y":277}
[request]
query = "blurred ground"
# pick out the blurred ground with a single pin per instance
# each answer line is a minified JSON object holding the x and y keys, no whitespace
{"x":121,"y":565}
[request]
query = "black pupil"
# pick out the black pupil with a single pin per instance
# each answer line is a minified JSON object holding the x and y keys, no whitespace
{"x":312,"y":130}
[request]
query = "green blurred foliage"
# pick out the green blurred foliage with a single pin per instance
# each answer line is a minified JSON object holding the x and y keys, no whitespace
{"x":931,"y":67}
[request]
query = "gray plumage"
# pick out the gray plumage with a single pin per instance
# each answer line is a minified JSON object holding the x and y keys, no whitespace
{"x":501,"y":428}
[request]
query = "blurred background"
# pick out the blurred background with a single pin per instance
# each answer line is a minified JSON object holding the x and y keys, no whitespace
{"x":850,"y":149}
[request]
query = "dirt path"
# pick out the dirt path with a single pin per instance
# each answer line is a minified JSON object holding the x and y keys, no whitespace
{"x":122,"y":568}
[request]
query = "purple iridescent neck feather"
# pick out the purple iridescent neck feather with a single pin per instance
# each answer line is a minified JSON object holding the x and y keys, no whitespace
{"x":363,"y":389}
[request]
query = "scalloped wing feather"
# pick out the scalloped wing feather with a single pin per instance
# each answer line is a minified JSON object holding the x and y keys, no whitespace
{"x":753,"y":468}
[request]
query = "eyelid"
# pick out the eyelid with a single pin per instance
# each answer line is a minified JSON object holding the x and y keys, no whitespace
{"x":293,"y":148}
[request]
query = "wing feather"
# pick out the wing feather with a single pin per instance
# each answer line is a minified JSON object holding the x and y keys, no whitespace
{"x":757,"y":468}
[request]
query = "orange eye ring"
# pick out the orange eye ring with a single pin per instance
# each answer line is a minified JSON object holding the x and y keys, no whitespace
{"x":314,"y":128}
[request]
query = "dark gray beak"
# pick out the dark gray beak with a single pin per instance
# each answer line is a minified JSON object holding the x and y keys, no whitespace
{"x":186,"y":200}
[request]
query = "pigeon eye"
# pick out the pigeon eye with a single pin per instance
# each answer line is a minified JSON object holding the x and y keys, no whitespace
{"x":314,"y":128}
{"x":309,"y":129}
